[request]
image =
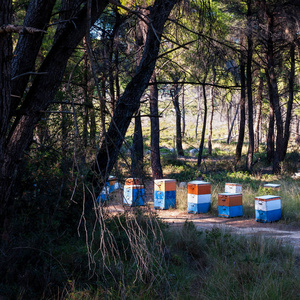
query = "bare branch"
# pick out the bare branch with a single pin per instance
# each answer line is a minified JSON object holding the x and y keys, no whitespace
{"x":30,"y":73}
{"x":19,"y":29}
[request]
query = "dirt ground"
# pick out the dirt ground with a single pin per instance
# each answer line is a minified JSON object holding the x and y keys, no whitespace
{"x":289,"y":234}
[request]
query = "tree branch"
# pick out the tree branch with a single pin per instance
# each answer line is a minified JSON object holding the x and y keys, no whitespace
{"x":19,"y":29}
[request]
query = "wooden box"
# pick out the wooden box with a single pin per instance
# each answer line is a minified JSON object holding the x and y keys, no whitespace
{"x":164,"y":199}
{"x":198,"y":187}
{"x":233,"y":188}
{"x":133,"y":181}
{"x":165,"y":185}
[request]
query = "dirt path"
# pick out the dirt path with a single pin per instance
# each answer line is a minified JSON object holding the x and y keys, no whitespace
{"x":289,"y":234}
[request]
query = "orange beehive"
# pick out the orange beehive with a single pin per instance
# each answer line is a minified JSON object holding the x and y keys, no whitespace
{"x":165,"y":185}
{"x":230,"y":199}
{"x":133,"y":181}
{"x":198,"y":187}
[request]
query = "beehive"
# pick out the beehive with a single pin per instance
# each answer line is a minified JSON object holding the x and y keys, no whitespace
{"x":134,"y":195}
{"x":230,"y":205}
{"x":164,"y":193}
{"x":103,"y":195}
{"x":133,"y":181}
{"x":267,"y":208}
{"x":273,"y":186}
{"x":233,"y":188}
{"x":199,"y":197}
{"x":111,"y":183}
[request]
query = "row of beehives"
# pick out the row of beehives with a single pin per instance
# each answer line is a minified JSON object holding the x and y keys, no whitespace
{"x":230,"y":204}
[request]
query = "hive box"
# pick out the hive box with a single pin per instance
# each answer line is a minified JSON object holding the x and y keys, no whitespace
{"x":199,"y":197}
{"x":134,"y":195}
{"x":133,"y":181}
{"x":230,"y":205}
{"x":111,"y":183}
{"x":103,"y":195}
{"x":272,"y":186}
{"x":267,"y":208}
{"x":233,"y":188}
{"x":164,"y":193}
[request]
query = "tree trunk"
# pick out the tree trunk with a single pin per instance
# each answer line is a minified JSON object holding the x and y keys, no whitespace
{"x":178,"y":120}
{"x":137,"y":153}
{"x":249,"y":89}
{"x":130,"y":100}
{"x":209,"y":143}
{"x":203,"y":129}
{"x":270,"y":136}
{"x":198,"y":112}
{"x":155,"y":153}
{"x":239,"y":146}
{"x":290,"y":103}
{"x":258,"y":116}
{"x":5,"y":98}
{"x":232,"y":123}
{"x":41,"y":92}
{"x":183,"y":112}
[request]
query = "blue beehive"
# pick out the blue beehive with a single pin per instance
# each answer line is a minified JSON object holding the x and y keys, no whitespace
{"x":134,"y":195}
{"x":110,"y":183}
{"x":103,"y":195}
{"x":267,"y":208}
{"x":164,"y":193}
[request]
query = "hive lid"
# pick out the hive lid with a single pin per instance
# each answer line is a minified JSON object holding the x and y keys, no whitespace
{"x":271,"y":185}
{"x":198,"y":182}
{"x":230,"y":194}
{"x":266,"y":197}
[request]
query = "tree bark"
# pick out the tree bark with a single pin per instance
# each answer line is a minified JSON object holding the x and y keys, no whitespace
{"x":137,"y":153}
{"x":203,"y":129}
{"x":41,"y":94}
{"x":290,"y":103}
{"x":239,"y":146}
{"x":157,"y":172}
{"x":249,"y":88}
{"x":258,"y":116}
{"x":130,"y":100}
{"x":209,"y":143}
{"x":178,"y":120}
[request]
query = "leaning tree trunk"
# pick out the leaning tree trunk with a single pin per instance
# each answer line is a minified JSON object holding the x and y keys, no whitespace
{"x":203,"y":129}
{"x":129,"y":102}
{"x":239,"y":146}
{"x":154,"y":118}
{"x":41,"y":91}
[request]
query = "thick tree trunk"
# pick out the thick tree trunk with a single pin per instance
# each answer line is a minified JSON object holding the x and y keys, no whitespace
{"x":258,"y":116}
{"x":203,"y":130}
{"x":129,"y":102}
{"x":239,"y":146}
{"x":41,"y":93}
{"x":155,"y":153}
{"x":5,"y":96}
